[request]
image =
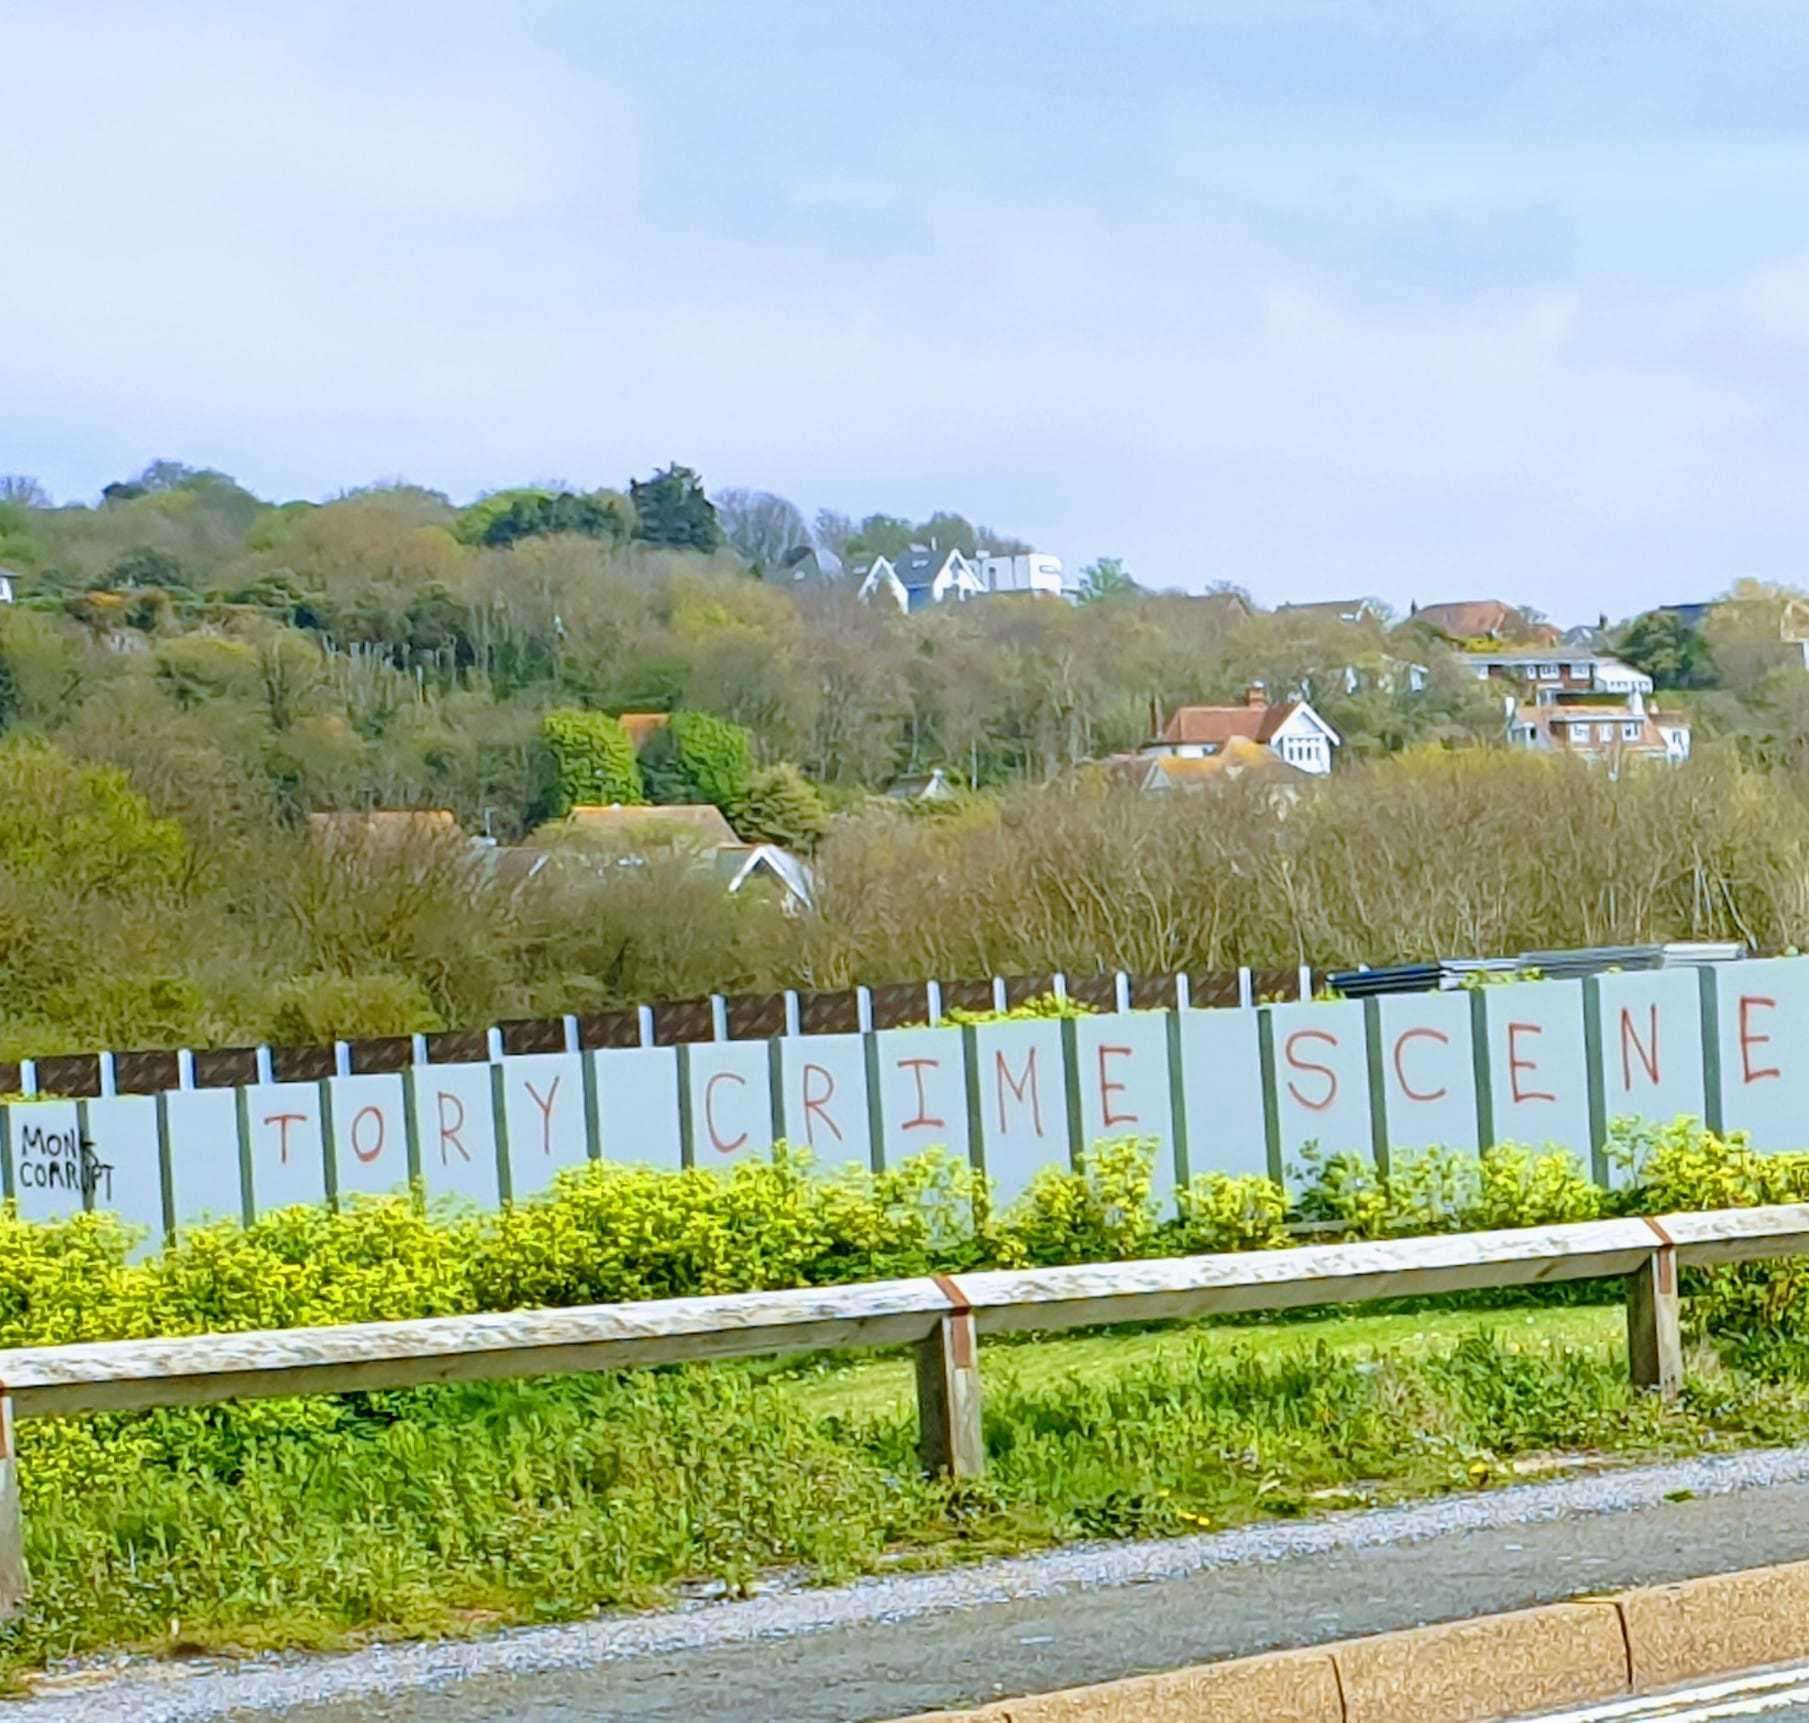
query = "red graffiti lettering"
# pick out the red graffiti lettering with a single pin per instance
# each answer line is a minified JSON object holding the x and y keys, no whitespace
{"x":1631,"y":1045}
{"x":815,"y":1105}
{"x":1325,"y":1071}
{"x":1019,"y":1087}
{"x":721,"y":1145}
{"x":450,"y":1128}
{"x":358,"y":1119}
{"x":546,"y":1111}
{"x":1748,"y":1040}
{"x":1108,"y":1088}
{"x":922,"y":1119}
{"x":1516,"y":1064}
{"x":285,"y":1120}
{"x":1400,"y":1072}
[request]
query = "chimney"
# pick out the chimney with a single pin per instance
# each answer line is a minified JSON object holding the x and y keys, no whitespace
{"x":1254,"y":696}
{"x":1636,"y":703}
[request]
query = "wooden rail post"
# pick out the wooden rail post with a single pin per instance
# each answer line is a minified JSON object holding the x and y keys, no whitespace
{"x":14,"y":1580}
{"x":1654,"y":1320}
{"x":950,"y":1440}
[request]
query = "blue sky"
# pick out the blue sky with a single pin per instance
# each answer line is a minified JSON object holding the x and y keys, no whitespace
{"x":1426,"y":300}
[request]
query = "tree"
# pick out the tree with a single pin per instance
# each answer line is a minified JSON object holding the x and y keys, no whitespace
{"x":833,"y":532}
{"x":781,"y":806}
{"x":671,"y":509}
{"x":593,"y":760}
{"x":878,"y":535}
{"x":698,"y":757}
{"x":23,"y":491}
{"x":761,"y":528}
{"x":1671,"y":652}
{"x":505,"y":517}
{"x":1105,"y":577}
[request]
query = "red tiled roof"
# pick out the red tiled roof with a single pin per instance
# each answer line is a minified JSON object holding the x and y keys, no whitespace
{"x":1205,"y":725}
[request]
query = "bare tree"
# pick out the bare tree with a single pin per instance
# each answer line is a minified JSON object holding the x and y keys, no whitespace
{"x":759,"y":526}
{"x":24,"y":490}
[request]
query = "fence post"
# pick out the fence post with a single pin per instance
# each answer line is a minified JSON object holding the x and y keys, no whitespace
{"x":1654,"y":1326}
{"x":949,"y":1440}
{"x":15,"y":1582}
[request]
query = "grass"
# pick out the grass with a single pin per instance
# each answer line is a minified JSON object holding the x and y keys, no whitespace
{"x":850,"y":1386}
{"x":441,"y":1511}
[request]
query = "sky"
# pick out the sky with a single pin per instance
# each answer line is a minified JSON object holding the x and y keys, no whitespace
{"x":1438,"y":300}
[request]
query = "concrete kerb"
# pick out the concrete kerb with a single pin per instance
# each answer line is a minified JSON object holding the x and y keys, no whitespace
{"x":1533,"y":1660}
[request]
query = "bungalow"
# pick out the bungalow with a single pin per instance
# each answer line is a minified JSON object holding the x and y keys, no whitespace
{"x":1031,"y":572}
{"x":932,"y":786}
{"x":920,"y":578}
{"x":1291,"y":730}
{"x":1346,"y":610}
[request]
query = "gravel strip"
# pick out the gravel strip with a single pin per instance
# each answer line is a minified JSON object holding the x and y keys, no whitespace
{"x":187,"y":1692}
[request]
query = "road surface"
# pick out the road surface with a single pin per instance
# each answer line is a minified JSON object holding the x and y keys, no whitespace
{"x":888,"y":1648}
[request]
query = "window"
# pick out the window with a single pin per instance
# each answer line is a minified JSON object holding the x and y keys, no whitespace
{"x":1605,"y":731}
{"x":1630,"y":731}
{"x":1548,"y":673}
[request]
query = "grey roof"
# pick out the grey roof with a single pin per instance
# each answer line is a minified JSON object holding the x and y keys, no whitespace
{"x":919,"y":568}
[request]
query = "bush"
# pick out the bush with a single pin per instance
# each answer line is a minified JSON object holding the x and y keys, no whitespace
{"x":594,"y":762}
{"x":781,"y":806}
{"x":1037,"y":1008}
{"x":697,"y":757}
{"x":307,"y":1010}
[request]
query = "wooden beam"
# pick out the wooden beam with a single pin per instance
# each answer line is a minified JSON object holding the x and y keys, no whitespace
{"x":1056,"y":1298}
{"x":15,"y":1581}
{"x":1654,"y":1325}
{"x":194,"y":1370}
{"x":1738,"y":1235}
{"x":950,"y":1441}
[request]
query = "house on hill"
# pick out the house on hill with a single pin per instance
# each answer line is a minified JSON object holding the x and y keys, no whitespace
{"x":1607,"y":734}
{"x":1157,"y":774}
{"x":920,"y":578}
{"x":1291,"y":730}
{"x":1545,"y":675}
{"x":932,"y":786}
{"x":1484,"y":619}
{"x":639,"y":826}
{"x":1347,"y":610}
{"x":9,"y":584}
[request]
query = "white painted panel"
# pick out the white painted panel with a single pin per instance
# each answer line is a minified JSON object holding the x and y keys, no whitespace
{"x":637,"y":1105}
{"x":1538,"y":1073}
{"x":543,"y":1106}
{"x":1123,"y":1084}
{"x":1321,"y":1080}
{"x":370,"y":1133}
{"x":1222,"y":1082}
{"x":825,"y":1098}
{"x":922,"y":1092}
{"x":731,"y":1102}
{"x":1651,"y":1036}
{"x":1428,"y":1071}
{"x":128,"y":1168}
{"x":1023,"y":1102}
{"x":46,"y":1140}
{"x":204,"y":1154}
{"x":1764,"y":1028}
{"x":283,"y":1121}
{"x":455,"y":1128}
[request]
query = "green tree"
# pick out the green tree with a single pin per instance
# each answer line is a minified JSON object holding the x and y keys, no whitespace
{"x":1105,"y":577}
{"x":1671,"y":652}
{"x":781,"y":806}
{"x":81,"y":830}
{"x":505,"y":517}
{"x":878,"y":535}
{"x":593,"y":760}
{"x":698,"y":757}
{"x":671,"y":509}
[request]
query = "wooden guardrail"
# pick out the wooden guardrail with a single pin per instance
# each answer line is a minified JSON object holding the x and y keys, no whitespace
{"x":941,"y":1317}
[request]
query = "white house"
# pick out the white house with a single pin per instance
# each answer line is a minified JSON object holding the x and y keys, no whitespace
{"x":1034,"y":572}
{"x":919,"y":578}
{"x":1611,"y":734}
{"x":7,"y":577}
{"x":1549,"y":675}
{"x":1292,"y":731}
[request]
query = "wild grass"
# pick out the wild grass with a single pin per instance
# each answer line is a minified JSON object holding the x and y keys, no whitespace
{"x":444,"y":1511}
